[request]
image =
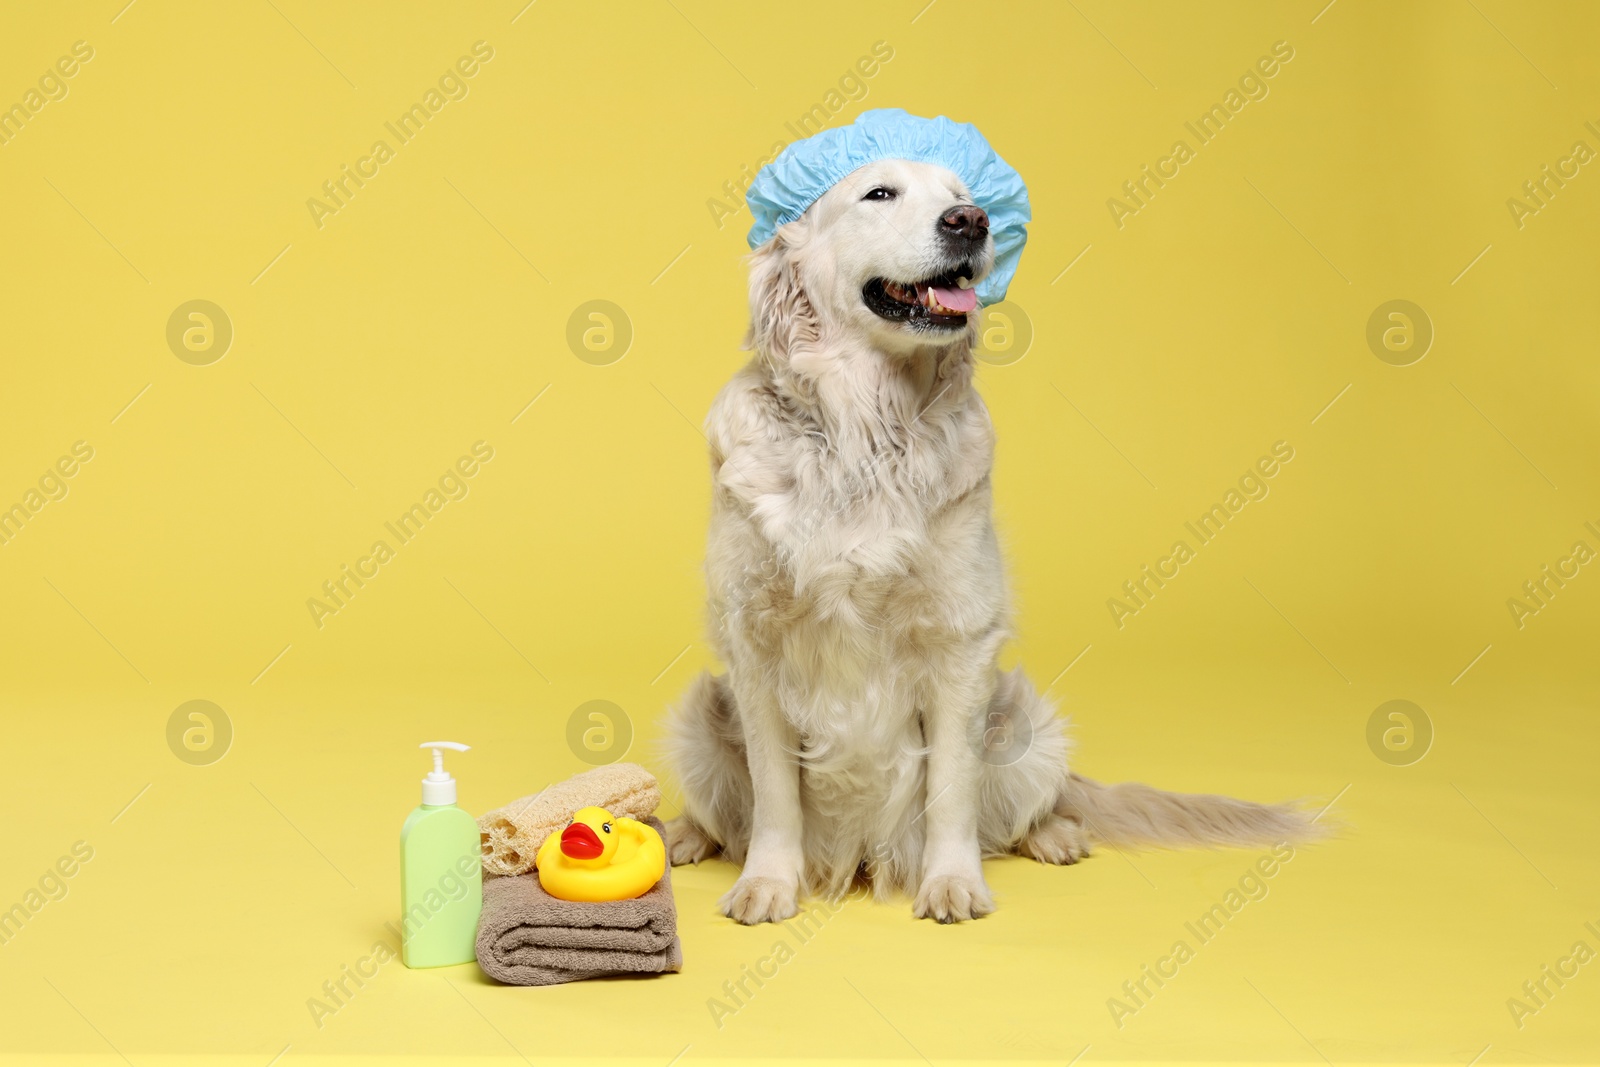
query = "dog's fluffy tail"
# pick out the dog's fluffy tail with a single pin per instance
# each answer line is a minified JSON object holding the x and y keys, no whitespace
{"x":1129,"y":814}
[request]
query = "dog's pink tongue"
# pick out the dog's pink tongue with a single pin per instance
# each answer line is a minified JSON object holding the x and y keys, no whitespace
{"x":956,"y":299}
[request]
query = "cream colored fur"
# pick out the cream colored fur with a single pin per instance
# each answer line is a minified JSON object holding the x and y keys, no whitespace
{"x":858,"y":598}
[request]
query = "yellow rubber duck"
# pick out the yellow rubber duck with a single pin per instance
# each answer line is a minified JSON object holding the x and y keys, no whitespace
{"x":598,"y":858}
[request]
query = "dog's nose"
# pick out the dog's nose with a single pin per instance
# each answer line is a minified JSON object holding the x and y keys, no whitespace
{"x":965,"y":220}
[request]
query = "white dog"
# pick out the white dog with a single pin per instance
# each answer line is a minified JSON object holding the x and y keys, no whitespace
{"x":863,"y":730}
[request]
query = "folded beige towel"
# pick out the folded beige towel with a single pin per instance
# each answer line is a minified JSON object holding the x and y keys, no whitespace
{"x":511,"y":835}
{"x":528,"y":937}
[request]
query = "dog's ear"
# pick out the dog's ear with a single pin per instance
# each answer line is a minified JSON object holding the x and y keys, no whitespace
{"x":782,"y":318}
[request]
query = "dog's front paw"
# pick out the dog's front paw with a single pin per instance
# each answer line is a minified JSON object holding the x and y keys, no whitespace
{"x":759,"y":900}
{"x":953,"y":898}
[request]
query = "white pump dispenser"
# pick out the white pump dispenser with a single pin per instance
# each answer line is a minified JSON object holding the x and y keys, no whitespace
{"x":438,"y":788}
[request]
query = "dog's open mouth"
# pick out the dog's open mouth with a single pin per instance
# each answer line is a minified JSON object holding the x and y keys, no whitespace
{"x":941,"y":302}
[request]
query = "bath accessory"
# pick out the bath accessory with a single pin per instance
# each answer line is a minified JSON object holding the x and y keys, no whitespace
{"x":598,"y":857}
{"x":528,"y":937}
{"x":441,"y":888}
{"x":513,"y":834}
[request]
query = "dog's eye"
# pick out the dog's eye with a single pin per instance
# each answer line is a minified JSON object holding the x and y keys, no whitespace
{"x":881,"y":192}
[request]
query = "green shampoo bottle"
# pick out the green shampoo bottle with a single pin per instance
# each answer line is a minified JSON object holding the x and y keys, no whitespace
{"x":441,"y":873}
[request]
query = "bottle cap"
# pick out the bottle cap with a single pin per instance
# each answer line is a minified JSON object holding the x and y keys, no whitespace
{"x":438,"y":788}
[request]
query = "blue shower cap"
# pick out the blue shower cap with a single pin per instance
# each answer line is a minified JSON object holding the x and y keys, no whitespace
{"x":806,"y":169}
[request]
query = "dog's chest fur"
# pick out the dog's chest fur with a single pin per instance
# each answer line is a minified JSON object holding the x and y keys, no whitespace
{"x":852,"y":528}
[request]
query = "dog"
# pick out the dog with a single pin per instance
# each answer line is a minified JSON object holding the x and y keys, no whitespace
{"x":863,"y":730}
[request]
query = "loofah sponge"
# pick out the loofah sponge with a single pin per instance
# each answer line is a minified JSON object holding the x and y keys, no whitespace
{"x":511,"y":835}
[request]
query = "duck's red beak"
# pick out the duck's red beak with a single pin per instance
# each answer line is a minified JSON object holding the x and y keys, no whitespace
{"x":580,"y":842}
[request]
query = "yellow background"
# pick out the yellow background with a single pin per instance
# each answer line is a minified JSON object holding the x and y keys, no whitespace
{"x":427,"y":314}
